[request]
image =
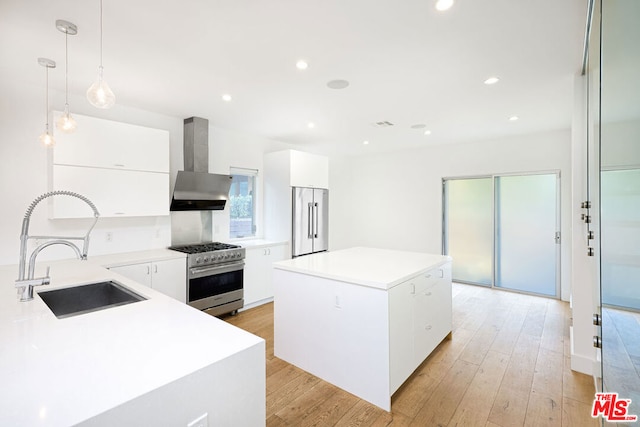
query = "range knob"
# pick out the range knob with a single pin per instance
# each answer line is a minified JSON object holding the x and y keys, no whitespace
{"x":219,"y":257}
{"x":199,"y":260}
{"x":206,"y":259}
{"x":238,"y":255}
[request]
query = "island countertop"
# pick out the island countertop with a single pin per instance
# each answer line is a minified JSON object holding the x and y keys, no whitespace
{"x":372,"y":267}
{"x":59,"y":372}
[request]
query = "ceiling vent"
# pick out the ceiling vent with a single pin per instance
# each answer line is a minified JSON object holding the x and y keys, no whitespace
{"x":384,"y":124}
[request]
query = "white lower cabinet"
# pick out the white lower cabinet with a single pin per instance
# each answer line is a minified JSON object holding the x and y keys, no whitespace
{"x":258,"y":281}
{"x":420,"y":316}
{"x":167,"y":276}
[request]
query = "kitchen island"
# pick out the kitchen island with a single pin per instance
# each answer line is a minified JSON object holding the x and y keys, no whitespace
{"x":151,"y":362}
{"x":362,"y":319}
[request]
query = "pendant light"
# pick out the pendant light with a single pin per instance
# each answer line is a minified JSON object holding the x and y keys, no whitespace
{"x":66,"y":123}
{"x":99,"y":94}
{"x":46,"y":138}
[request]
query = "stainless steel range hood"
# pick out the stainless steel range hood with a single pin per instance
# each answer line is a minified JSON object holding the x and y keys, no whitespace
{"x":196,"y":189}
{"x":200,"y":191}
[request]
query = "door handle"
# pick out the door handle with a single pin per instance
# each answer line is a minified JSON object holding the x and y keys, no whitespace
{"x":315,"y":215}
{"x":310,"y":212}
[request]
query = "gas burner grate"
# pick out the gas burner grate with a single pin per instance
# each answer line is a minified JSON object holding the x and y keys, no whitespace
{"x":203,"y":247}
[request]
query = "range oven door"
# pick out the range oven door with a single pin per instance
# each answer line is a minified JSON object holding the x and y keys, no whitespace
{"x":215,"y":285}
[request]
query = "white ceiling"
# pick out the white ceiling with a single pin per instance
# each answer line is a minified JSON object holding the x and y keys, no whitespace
{"x":407,"y":64}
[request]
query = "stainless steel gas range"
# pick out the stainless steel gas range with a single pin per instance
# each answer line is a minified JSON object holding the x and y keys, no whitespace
{"x":215,"y":276}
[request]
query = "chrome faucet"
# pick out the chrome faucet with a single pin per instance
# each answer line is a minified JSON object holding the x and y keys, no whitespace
{"x":25,"y":285}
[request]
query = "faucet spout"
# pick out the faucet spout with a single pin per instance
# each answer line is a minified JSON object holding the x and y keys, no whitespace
{"x":36,"y":251}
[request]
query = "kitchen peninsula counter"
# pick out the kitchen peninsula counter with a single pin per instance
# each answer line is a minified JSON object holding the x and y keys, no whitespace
{"x":152,"y":362}
{"x":362,"y":318}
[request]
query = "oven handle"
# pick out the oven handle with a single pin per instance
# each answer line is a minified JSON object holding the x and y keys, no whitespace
{"x":196,"y":272}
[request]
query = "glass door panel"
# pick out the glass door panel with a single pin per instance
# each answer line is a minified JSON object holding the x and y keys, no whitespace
{"x":620,"y":228}
{"x":468,"y":225}
{"x":526,"y":223}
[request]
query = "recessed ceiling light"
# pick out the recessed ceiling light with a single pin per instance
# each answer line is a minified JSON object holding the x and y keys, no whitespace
{"x":418,"y":126}
{"x":302,"y":65}
{"x":513,"y":118}
{"x":226,"y":97}
{"x":491,"y":81}
{"x":427,"y":132}
{"x":443,"y":5}
{"x":365,"y":142}
{"x":337,"y":84}
{"x":311,"y":125}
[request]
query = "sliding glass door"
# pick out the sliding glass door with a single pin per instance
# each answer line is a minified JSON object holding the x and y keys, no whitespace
{"x":526,"y":223}
{"x":503,"y":231}
{"x":468,"y":227}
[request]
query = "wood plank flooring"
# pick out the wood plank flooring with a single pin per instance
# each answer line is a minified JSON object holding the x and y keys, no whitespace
{"x":506,"y":365}
{"x":621,"y":353}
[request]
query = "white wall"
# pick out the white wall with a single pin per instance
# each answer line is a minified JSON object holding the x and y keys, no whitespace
{"x":394,"y":200}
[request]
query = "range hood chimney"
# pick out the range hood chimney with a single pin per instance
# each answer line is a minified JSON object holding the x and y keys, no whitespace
{"x":196,"y":189}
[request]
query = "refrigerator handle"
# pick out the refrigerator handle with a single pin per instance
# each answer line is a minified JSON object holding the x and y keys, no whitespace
{"x":310,"y":221}
{"x":315,"y":216}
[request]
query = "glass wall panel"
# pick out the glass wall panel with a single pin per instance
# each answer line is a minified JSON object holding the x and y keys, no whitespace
{"x":620,"y":198}
{"x":526,"y":225}
{"x":468,"y":236}
{"x":620,"y":240}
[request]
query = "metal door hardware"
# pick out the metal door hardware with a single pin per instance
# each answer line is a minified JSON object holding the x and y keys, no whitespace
{"x":587,"y":219}
{"x":589,"y":251}
{"x":586,"y":205}
{"x":597,"y":341}
{"x":597,"y":319}
{"x":590,"y":235}
{"x":557,"y":237}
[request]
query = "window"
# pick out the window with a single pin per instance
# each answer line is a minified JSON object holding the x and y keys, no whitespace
{"x":242,"y":203}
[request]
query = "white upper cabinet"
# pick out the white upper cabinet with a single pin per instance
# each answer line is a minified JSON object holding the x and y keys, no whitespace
{"x":107,"y":144}
{"x":123,"y":169}
{"x":298,"y":169}
{"x":116,"y":193}
{"x":309,"y":170}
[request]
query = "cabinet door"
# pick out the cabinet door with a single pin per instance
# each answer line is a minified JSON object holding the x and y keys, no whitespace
{"x":401,"y":334}
{"x":116,"y":193}
{"x":170,"y":278}
{"x":108,"y":144}
{"x":140,"y":273}
{"x":255,"y":275}
{"x":309,"y":170}
{"x":274,"y":254}
{"x":432,"y":307}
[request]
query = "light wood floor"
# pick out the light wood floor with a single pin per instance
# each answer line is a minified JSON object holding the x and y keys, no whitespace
{"x":621,"y":353}
{"x":506,"y":365}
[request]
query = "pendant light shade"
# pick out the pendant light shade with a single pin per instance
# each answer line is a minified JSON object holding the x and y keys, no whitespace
{"x":99,"y":93}
{"x":66,"y":123}
{"x":46,"y":138}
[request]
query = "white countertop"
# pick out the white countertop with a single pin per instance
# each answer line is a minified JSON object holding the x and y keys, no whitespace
{"x":59,"y":372}
{"x":377,"y":268}
{"x":258,"y":243}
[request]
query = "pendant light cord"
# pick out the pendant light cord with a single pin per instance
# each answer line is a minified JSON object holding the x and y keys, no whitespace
{"x":66,"y":70}
{"x":46,"y":99}
{"x":101,"y":34}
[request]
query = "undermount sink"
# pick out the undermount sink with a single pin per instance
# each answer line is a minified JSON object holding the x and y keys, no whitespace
{"x":67,"y":302}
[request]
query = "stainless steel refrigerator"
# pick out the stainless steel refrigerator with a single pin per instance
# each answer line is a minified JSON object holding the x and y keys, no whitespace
{"x":310,"y":231}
